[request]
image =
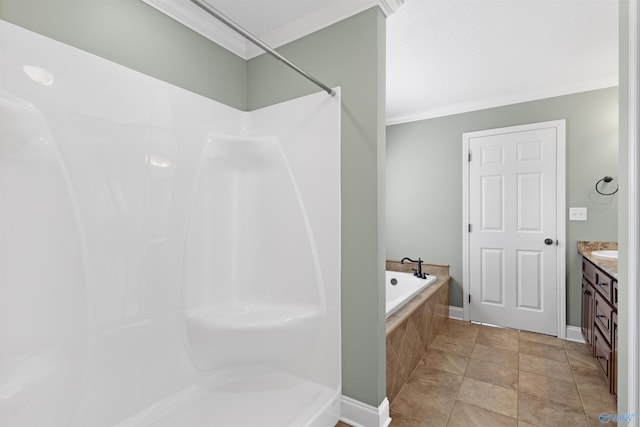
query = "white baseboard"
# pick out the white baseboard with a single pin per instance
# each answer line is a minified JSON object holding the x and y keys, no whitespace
{"x":456,"y":313}
{"x":574,"y":333}
{"x":358,"y":414}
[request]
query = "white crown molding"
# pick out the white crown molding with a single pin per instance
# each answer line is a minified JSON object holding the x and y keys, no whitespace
{"x":196,"y":19}
{"x":310,"y":23}
{"x":516,"y":98}
{"x":200,"y":22}
{"x":390,"y":6}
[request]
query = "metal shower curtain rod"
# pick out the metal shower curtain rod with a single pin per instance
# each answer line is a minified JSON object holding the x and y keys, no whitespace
{"x":253,"y":39}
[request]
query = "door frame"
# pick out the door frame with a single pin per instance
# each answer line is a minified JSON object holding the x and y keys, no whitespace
{"x":561,"y":169}
{"x":633,"y":220}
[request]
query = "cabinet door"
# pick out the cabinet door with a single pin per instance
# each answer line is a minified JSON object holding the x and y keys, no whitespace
{"x":587,"y":312}
{"x":602,"y":312}
{"x":602,"y":353}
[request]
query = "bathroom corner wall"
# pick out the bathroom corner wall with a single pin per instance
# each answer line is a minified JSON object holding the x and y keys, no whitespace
{"x":133,"y":34}
{"x":349,"y":54}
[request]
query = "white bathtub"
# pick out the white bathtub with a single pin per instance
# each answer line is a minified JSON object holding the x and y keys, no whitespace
{"x":401,"y":287}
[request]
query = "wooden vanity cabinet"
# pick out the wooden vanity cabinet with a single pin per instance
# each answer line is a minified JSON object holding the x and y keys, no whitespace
{"x":600,"y":320}
{"x":614,"y":356}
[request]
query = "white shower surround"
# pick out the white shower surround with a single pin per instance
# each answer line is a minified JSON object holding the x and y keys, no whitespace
{"x":150,"y":272}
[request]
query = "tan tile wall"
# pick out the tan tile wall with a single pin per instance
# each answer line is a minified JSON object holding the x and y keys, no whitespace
{"x":412,"y":330}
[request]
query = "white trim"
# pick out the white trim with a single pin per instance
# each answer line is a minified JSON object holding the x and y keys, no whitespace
{"x":358,"y":414}
{"x":561,"y":283}
{"x":501,"y":101}
{"x":633,"y":296}
{"x":465,"y":227}
{"x":574,"y":333}
{"x":561,"y":225}
{"x":199,"y":21}
{"x":308,"y":24}
{"x":390,"y":6}
{"x":456,"y":312}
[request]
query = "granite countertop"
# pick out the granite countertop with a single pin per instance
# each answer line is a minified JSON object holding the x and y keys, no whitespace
{"x":610,"y":266}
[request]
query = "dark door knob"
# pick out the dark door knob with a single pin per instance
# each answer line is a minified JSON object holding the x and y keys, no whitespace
{"x":548,"y":241}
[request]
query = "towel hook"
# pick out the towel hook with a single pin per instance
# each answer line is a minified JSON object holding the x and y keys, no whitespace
{"x":606,"y":179}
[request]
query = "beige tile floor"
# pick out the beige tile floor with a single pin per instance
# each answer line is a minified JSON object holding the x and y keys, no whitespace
{"x":482,"y":376}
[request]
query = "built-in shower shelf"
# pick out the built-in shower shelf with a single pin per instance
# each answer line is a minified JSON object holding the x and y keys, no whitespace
{"x":252,"y":332}
{"x":254,"y":315}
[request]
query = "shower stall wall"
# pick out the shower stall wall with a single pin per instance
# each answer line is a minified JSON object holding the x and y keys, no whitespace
{"x":165,"y":260}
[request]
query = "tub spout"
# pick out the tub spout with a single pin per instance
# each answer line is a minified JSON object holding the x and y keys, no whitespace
{"x":418,"y":272}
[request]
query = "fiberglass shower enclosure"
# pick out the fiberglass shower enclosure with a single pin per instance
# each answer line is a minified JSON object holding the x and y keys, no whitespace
{"x":165,"y":260}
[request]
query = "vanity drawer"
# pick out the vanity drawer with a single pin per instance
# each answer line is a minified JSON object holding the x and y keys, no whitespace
{"x":614,"y":295}
{"x":602,"y":353}
{"x":602,"y":316}
{"x":604,"y":285}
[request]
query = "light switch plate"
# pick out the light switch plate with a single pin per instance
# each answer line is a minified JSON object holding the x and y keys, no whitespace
{"x":577,"y":214}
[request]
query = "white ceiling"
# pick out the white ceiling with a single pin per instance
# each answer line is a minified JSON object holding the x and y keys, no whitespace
{"x":446,"y":56}
{"x":451,"y":56}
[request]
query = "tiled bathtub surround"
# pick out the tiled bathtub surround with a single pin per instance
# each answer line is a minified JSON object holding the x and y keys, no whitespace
{"x":437,"y":270}
{"x":411,"y":329}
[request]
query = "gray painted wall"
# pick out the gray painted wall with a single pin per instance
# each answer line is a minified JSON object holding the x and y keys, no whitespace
{"x":133,"y":34}
{"x":424,"y":180}
{"x":350,"y":54}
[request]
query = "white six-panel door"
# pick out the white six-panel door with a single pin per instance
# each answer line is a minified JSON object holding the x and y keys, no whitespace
{"x":513,"y":232}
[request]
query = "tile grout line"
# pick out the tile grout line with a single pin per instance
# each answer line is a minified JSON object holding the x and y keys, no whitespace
{"x":575,"y":381}
{"x":401,"y":367}
{"x":464,"y":375}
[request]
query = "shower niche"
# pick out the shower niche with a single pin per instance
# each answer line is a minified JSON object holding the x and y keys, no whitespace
{"x":201,"y":280}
